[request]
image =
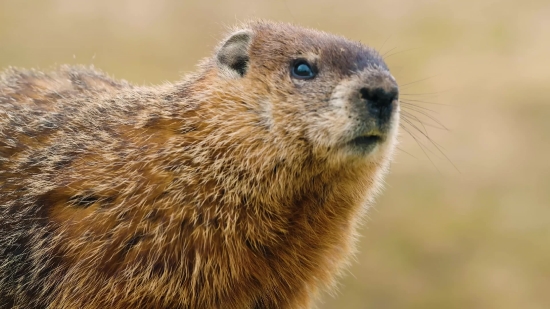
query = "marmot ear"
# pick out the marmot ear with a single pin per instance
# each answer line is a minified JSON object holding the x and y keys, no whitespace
{"x":233,"y":54}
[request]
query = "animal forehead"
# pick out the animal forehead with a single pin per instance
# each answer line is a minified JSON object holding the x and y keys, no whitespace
{"x":328,"y":50}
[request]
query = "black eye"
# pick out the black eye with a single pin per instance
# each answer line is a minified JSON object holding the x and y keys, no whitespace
{"x":302,"y":70}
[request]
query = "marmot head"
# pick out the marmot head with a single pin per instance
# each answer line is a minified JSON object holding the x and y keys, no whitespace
{"x":335,"y":96}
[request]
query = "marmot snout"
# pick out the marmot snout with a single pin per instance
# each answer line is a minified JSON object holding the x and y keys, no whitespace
{"x":240,"y":186}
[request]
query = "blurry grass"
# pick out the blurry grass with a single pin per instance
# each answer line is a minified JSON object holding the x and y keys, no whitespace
{"x":437,"y":237}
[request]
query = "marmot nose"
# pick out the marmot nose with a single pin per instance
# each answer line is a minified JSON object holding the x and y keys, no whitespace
{"x":379,"y":102}
{"x":378,"y":98}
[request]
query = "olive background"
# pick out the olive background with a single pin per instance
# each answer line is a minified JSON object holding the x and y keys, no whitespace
{"x":464,"y":220}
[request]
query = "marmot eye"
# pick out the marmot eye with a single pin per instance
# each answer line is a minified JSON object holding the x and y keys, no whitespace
{"x":302,"y":70}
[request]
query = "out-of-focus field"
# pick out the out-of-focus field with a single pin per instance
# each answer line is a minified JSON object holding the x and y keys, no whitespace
{"x":477,"y":236}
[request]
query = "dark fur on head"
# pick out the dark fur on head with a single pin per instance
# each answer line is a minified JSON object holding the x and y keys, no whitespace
{"x":237,"y":187}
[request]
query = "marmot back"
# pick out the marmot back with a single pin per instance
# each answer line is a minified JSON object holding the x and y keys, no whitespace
{"x":239,"y":186}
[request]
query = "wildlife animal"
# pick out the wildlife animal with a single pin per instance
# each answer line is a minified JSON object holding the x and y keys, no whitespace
{"x":239,"y":186}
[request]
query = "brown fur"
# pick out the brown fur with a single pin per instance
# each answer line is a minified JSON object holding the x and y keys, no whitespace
{"x":219,"y":191}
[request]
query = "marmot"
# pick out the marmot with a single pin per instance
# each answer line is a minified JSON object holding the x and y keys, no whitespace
{"x":239,"y":186}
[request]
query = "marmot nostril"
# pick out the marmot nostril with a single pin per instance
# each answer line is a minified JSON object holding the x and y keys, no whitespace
{"x":378,"y":97}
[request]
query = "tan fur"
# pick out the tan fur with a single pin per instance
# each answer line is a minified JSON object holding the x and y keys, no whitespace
{"x":218,"y":191}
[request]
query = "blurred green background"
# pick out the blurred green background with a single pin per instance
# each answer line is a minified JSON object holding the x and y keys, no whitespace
{"x":474,"y":236}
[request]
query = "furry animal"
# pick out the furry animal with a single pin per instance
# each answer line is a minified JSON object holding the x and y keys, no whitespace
{"x":239,"y":186}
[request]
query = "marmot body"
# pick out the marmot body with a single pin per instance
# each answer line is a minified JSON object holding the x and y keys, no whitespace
{"x":238,"y":187}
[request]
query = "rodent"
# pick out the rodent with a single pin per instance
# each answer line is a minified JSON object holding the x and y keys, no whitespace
{"x":240,"y":186}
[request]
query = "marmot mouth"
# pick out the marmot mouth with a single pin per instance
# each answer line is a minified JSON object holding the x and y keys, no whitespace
{"x":366,"y":140}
